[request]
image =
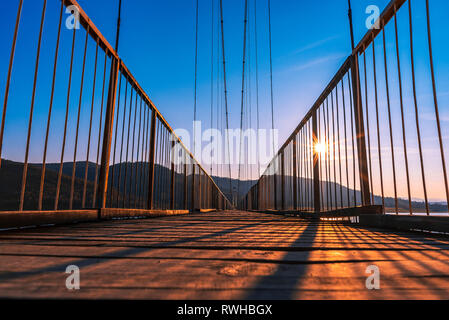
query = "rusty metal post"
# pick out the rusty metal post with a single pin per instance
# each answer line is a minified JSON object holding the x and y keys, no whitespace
{"x":360,"y":132}
{"x":316,"y":166}
{"x":209,"y":193}
{"x":151,"y":160}
{"x":192,"y":190}
{"x":185,"y":182}
{"x":282,"y":181}
{"x":254,"y":198}
{"x":295,"y":177}
{"x":213,"y":200}
{"x":200,"y":190}
{"x":257,"y":195}
{"x":107,"y":136}
{"x":246,"y":200}
{"x":275,"y":194}
{"x":172,"y":187}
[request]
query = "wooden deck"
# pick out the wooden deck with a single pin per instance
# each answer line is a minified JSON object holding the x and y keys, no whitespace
{"x":232,"y":255}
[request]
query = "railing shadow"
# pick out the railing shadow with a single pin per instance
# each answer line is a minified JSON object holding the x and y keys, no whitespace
{"x":263,"y":288}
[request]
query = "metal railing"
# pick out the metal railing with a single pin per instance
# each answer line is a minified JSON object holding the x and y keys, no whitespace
{"x":113,"y":147}
{"x":344,"y":153}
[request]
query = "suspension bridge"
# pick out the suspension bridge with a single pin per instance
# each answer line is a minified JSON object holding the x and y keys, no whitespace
{"x":319,"y":221}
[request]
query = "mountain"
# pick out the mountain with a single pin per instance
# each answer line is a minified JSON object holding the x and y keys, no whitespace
{"x":332,"y":191}
{"x":11,"y":183}
{"x":223,"y":184}
{"x":11,"y":177}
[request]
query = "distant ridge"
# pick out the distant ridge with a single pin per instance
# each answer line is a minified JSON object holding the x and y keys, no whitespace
{"x":11,"y":177}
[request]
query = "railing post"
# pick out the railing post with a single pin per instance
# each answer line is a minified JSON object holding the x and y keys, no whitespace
{"x":213,"y":199}
{"x":151,"y":160}
{"x":209,"y":193}
{"x":282,"y":181}
{"x":107,"y":136}
{"x":172,"y":189}
{"x":295,"y":177}
{"x":200,"y":190}
{"x":275,"y":194}
{"x":316,"y":166}
{"x":360,"y":131}
{"x":185,"y":181}
{"x":258,"y":195}
{"x":262,"y":194}
{"x":253,"y":199}
{"x":192,"y":190}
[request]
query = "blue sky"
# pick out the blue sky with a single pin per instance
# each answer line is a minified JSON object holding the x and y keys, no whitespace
{"x":310,"y":42}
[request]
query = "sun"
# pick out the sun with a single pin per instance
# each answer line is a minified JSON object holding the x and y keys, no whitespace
{"x":320,"y":148}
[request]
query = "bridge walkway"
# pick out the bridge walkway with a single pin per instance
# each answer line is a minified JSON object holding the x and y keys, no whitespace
{"x":222,"y":255}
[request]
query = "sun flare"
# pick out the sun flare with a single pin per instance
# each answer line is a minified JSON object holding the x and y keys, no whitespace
{"x":320,"y":148}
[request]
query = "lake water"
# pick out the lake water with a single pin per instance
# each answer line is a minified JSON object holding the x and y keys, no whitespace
{"x":432,"y":214}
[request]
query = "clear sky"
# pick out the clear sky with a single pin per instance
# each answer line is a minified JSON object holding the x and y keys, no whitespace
{"x":157,"y":43}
